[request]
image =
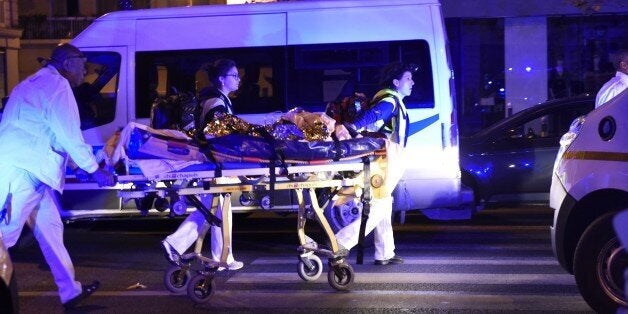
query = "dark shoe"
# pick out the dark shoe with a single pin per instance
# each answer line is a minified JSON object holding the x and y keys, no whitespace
{"x":171,"y":254}
{"x":342,"y":251}
{"x":393,"y":260}
{"x":87,"y":291}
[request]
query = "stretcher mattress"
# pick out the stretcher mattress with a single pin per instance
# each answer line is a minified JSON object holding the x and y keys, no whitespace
{"x":144,"y":144}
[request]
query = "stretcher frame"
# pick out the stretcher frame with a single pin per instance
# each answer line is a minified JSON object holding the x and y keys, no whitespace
{"x":298,"y":178}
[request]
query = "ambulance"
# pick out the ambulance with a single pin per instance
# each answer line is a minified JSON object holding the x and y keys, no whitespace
{"x":290,"y":54}
{"x":589,"y":186}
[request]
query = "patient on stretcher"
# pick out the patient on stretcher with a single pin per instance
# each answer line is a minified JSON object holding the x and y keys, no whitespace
{"x":159,"y":151}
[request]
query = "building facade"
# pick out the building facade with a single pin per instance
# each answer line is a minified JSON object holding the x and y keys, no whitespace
{"x":9,"y":46}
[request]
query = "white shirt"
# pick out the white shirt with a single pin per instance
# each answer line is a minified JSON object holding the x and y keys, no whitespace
{"x":40,"y":128}
{"x":612,"y":88}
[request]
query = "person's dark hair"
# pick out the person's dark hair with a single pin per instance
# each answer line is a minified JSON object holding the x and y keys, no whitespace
{"x":62,"y":52}
{"x":219,"y":68}
{"x":392,"y":71}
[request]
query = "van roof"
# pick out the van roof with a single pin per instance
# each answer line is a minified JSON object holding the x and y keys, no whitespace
{"x":204,"y":10}
{"x":264,"y":24}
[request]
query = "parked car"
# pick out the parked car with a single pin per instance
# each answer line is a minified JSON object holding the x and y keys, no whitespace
{"x":589,"y":186}
{"x":512,"y":160}
{"x":8,"y":284}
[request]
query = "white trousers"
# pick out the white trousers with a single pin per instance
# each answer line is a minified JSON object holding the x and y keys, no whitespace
{"x":32,"y":202}
{"x":190,"y":229}
{"x":379,"y":220}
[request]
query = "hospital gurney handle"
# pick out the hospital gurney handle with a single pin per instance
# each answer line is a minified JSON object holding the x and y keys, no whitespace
{"x":366,"y":209}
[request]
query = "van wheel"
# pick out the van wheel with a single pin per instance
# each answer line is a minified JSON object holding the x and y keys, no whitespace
{"x":340,"y":216}
{"x":599,"y":264}
{"x":478,"y":200}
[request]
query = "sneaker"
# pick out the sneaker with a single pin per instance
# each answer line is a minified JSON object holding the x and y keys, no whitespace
{"x":86,"y":292}
{"x":171,"y":254}
{"x":393,"y":260}
{"x":235,"y":265}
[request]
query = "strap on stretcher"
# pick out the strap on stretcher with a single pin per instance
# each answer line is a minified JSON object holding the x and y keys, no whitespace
{"x":211,"y":218}
{"x":366,"y":209}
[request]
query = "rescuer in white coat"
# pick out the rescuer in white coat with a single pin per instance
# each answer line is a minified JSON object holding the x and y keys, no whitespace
{"x":389,"y":116}
{"x":40,"y":129}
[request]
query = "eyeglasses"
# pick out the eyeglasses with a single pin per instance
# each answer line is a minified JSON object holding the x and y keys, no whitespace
{"x":235,"y":76}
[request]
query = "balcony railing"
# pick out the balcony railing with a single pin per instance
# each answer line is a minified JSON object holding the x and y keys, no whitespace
{"x":43,"y":27}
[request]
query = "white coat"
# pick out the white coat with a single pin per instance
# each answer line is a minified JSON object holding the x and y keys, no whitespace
{"x":40,"y":127}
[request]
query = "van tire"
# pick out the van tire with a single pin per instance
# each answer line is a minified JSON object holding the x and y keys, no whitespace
{"x":603,"y":293}
{"x":340,"y":216}
{"x":470,"y":182}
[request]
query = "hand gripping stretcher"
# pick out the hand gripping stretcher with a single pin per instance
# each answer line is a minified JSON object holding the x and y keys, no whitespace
{"x":208,"y":187}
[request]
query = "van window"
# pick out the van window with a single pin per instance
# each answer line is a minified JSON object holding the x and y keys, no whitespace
{"x":282,"y":78}
{"x":322,"y":73}
{"x":96,"y":97}
{"x":550,"y":123}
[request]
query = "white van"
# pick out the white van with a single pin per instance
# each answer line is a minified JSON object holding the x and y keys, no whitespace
{"x":289,"y":54}
{"x":589,"y":186}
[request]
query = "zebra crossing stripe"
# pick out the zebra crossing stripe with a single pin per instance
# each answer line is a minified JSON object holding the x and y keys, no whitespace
{"x":478,"y":247}
{"x":416,"y":278}
{"x":399,"y":301}
{"x":409,"y":300}
{"x":431,"y":261}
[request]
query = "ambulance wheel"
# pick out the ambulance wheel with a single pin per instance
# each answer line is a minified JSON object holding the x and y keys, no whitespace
{"x":340,"y":277}
{"x":176,"y":279}
{"x":201,"y":289}
{"x":599,"y":265}
{"x":312,"y":274}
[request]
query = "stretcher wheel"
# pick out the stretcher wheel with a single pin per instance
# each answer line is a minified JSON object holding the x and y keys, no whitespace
{"x":201,"y":288}
{"x":247,"y":199}
{"x":311,"y":274}
{"x":176,"y":279}
{"x":179,"y":207}
{"x":145,"y":203}
{"x":265,"y":202}
{"x":340,"y":277}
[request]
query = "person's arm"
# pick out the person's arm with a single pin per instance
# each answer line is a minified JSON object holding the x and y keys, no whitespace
{"x":212,"y":112}
{"x":65,"y":124}
{"x":381,"y":111}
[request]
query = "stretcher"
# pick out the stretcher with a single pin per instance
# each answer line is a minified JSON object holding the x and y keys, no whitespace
{"x":208,"y":185}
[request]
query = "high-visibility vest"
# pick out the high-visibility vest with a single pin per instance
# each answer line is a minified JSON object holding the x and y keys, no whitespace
{"x":396,"y":128}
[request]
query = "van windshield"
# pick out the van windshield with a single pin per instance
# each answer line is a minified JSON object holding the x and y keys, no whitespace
{"x":280,"y":78}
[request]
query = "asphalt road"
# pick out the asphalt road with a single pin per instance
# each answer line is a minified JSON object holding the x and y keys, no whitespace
{"x":500,"y":261}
